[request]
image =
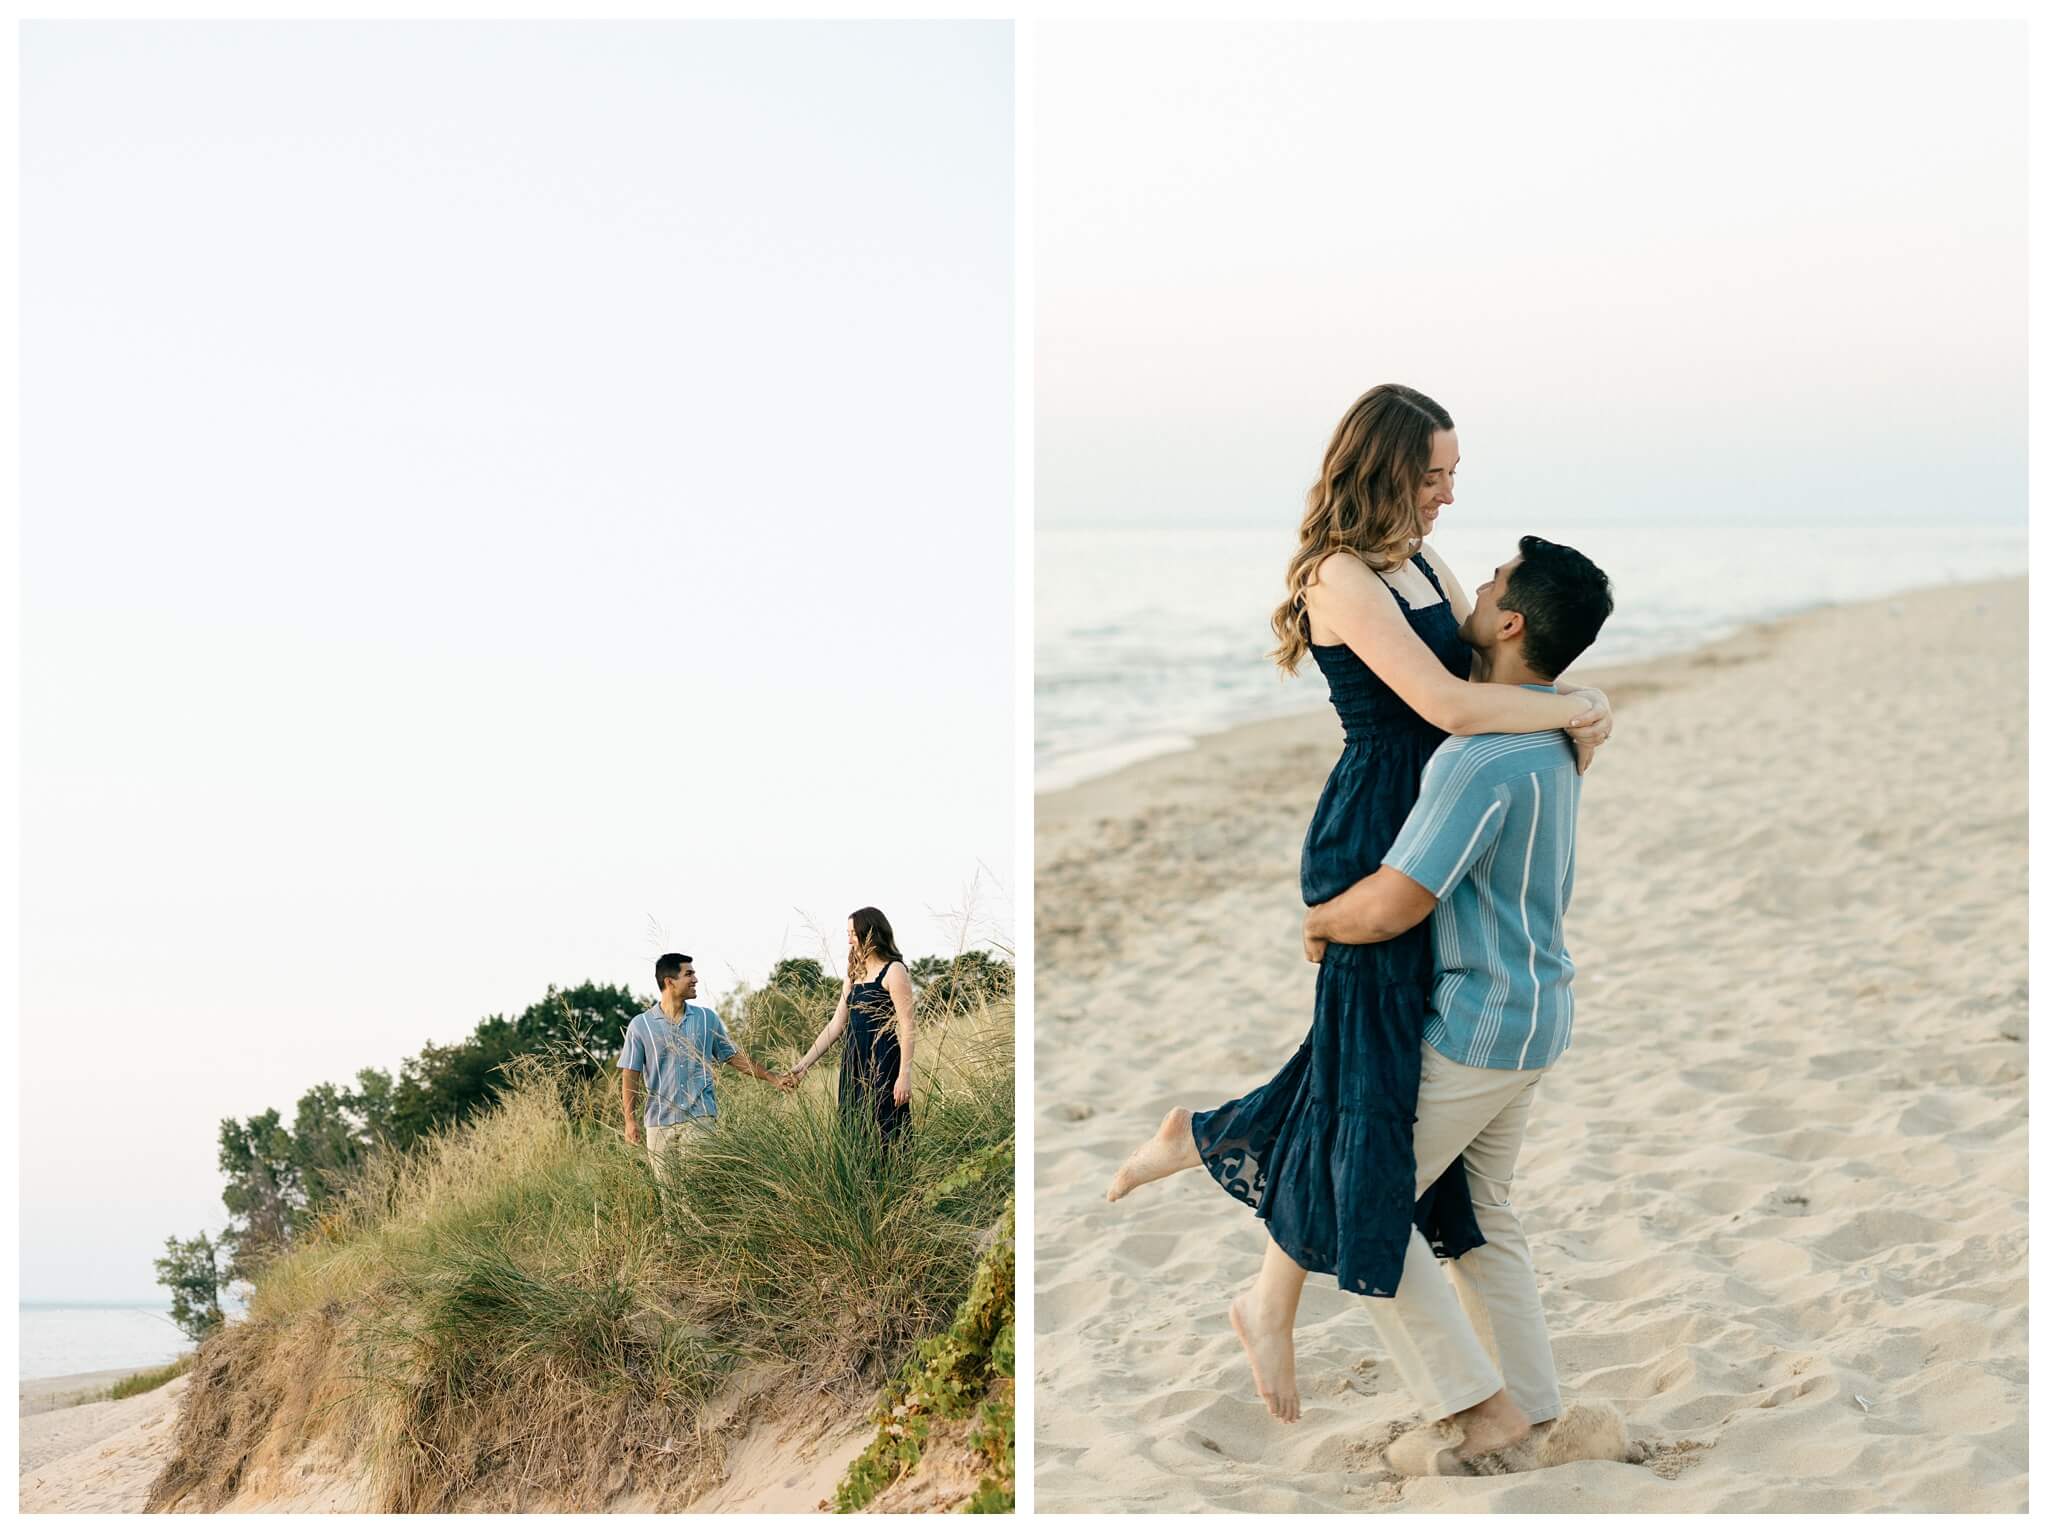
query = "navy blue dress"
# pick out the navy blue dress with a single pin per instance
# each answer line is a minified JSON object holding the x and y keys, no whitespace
{"x":873,"y":1056}
{"x":1324,"y":1152}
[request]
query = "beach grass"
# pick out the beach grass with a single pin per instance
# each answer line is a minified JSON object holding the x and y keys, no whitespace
{"x":526,"y":1311}
{"x":150,"y":1378}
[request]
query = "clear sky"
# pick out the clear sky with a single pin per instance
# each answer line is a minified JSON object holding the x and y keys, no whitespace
{"x":1763,"y":272}
{"x":499,"y":501}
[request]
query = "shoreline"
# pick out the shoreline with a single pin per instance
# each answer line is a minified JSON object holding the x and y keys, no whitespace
{"x":1775,"y":1191}
{"x":1627,"y":681}
{"x":61,"y":1391}
{"x":1162,"y":742}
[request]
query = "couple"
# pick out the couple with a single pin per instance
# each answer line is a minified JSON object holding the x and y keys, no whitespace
{"x":669,"y":1048}
{"x":1390,"y":1138}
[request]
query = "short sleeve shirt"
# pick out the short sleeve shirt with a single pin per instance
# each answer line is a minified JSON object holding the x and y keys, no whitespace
{"x":1493,"y":836}
{"x":675,"y":1061}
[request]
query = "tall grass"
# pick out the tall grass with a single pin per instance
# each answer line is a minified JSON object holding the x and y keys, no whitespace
{"x":526,"y":1311}
{"x":149,"y":1379}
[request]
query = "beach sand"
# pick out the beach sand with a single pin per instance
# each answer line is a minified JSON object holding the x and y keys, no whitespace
{"x":98,"y":1457}
{"x":101,"y":1457}
{"x":1776,"y":1189}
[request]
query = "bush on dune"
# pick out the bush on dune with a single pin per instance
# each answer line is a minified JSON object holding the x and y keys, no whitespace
{"x":520,"y":1311}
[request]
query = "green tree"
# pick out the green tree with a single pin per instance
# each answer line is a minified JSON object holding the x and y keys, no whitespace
{"x":191,"y":1270}
{"x":582,"y":1028}
{"x":779,"y":1020}
{"x":264,"y":1191}
{"x":954,"y":984}
{"x":802,"y":976}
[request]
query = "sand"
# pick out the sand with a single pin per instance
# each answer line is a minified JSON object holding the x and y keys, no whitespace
{"x":1776,"y":1190}
{"x":101,"y":1457}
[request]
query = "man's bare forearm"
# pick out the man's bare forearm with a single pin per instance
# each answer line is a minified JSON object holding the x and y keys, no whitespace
{"x":1375,"y":909}
{"x":629,"y":1091}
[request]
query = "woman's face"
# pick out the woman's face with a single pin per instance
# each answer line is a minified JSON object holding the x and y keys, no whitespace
{"x":851,"y":939}
{"x":1438,"y":483}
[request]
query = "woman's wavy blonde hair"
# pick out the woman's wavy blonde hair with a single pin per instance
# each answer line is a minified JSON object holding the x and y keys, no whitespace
{"x":1365,"y":500}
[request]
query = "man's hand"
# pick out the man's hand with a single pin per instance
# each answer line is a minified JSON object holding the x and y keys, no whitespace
{"x":1312,"y":943}
{"x":902,"y":1091}
{"x":632,"y":1132}
{"x":786,"y":1082}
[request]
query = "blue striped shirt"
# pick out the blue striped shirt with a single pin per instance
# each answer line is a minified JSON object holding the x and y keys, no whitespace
{"x":674,"y":1060}
{"x":1493,"y":836}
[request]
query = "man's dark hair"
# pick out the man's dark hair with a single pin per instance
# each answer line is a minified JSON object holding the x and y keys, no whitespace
{"x":1563,"y":598}
{"x":669,"y":966}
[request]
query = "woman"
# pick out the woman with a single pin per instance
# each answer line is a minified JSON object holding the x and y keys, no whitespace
{"x":1324,"y":1151}
{"x":874,"y":1012}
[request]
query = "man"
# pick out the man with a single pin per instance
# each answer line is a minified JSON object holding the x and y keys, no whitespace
{"x":1486,"y":856}
{"x":670,"y":1048}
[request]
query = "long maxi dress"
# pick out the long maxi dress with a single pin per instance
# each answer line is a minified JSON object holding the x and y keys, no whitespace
{"x":1324,"y":1152}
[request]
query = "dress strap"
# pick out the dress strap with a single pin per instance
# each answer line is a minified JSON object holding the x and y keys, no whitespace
{"x":1431,"y":574}
{"x":881,"y":974}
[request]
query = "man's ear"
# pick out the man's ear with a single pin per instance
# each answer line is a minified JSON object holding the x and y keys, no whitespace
{"x":1512,"y":626}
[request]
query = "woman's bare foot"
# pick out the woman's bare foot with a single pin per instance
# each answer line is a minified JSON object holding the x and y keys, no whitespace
{"x":1171,"y":1149}
{"x":1269,"y":1344}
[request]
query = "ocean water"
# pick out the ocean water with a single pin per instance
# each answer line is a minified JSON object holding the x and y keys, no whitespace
{"x":1150,"y":638}
{"x":62,"y":1339}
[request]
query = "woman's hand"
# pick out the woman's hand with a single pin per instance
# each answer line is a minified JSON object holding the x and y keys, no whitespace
{"x":902,"y":1090}
{"x":1594,"y":724}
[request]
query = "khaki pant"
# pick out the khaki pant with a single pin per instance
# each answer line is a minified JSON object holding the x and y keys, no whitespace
{"x":1435,"y":1341}
{"x":667,"y":1139}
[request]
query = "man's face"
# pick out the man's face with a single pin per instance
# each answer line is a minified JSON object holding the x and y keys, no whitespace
{"x":1482,"y":629}
{"x":684,"y":986}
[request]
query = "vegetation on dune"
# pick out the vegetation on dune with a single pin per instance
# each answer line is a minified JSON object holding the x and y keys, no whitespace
{"x":968,"y":1370}
{"x":282,"y":1176}
{"x":518,"y":1310}
{"x":151,"y":1378}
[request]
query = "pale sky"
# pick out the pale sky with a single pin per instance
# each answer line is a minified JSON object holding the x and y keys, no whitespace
{"x":1765,"y":272}
{"x":499,"y":501}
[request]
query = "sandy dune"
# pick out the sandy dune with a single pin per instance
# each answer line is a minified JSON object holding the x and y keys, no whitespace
{"x":102,"y":1458}
{"x":1776,"y":1190}
{"x":99,"y":1457}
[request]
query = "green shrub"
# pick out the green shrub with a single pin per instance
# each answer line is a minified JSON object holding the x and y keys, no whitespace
{"x":949,"y":1377}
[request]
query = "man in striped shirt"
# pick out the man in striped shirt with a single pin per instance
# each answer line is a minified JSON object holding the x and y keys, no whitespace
{"x":1487,"y":857}
{"x":669,"y":1049}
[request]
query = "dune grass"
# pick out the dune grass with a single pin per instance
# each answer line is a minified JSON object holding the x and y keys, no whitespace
{"x":150,"y":1378}
{"x":527,"y":1312}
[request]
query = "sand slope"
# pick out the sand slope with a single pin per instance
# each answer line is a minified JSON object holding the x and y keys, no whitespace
{"x":102,"y":1458}
{"x":1783,"y":1165}
{"x":99,"y":1457}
